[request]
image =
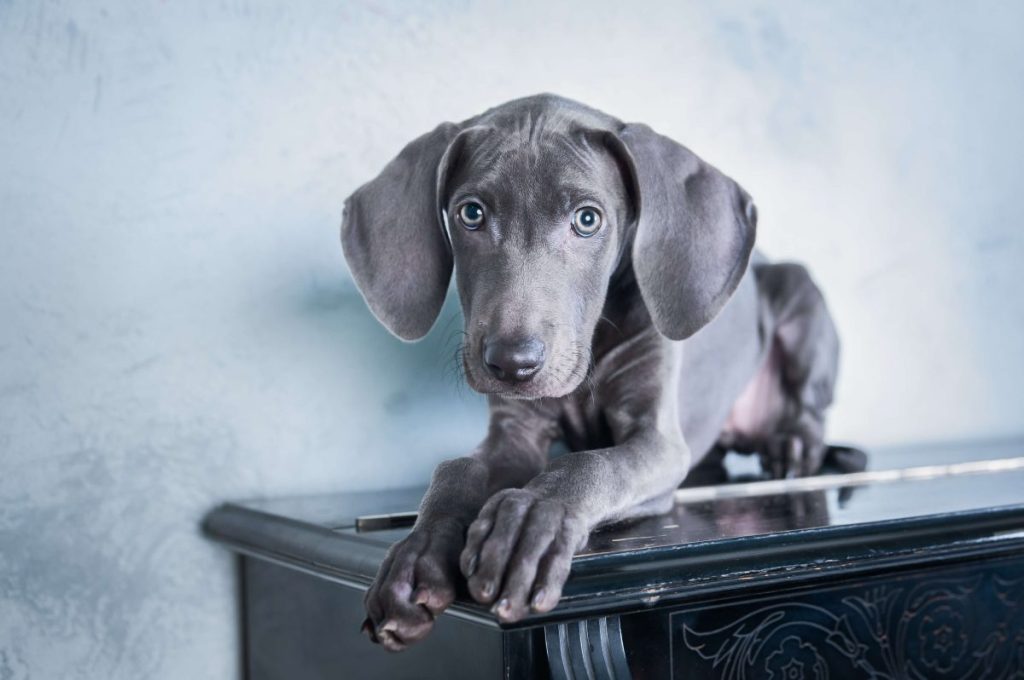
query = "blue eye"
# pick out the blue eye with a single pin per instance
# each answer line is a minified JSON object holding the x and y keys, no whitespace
{"x":586,"y":222}
{"x":471,"y":215}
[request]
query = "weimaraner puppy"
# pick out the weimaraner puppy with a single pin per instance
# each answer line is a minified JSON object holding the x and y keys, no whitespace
{"x":613,"y":300}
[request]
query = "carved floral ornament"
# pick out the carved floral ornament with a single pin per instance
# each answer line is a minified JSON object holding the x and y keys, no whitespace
{"x":967,"y":627}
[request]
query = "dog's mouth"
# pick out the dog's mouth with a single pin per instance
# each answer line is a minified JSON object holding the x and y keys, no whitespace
{"x":562,"y":374}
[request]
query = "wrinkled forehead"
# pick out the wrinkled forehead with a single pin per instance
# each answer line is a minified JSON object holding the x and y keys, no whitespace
{"x":546,"y":168}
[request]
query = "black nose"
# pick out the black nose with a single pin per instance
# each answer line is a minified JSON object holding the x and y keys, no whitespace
{"x":513,"y":360}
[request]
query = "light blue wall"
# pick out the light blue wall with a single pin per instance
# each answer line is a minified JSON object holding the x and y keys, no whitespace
{"x":177,"y":326}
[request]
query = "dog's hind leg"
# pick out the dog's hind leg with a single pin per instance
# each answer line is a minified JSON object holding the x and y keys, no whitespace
{"x":805,"y":346}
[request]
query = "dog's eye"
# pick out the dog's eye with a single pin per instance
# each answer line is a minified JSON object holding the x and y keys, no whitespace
{"x":586,"y":221}
{"x":471,"y":215}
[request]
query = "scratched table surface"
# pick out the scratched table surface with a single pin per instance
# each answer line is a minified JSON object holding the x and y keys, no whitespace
{"x":954,"y":498}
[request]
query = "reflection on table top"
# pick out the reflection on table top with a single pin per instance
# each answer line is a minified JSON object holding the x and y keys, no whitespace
{"x":711,"y":540}
{"x":944,"y":478}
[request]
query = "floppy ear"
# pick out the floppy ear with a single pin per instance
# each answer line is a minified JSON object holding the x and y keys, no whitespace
{"x":394,"y":239}
{"x":694,"y":234}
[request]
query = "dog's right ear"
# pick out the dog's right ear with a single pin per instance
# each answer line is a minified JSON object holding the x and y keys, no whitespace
{"x":394,"y":239}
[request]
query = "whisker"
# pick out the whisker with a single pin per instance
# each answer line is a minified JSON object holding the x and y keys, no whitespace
{"x":610,"y":323}
{"x":455,"y":368}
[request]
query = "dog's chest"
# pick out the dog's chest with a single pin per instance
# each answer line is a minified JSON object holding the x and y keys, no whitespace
{"x":583,"y":425}
{"x":623,"y":345}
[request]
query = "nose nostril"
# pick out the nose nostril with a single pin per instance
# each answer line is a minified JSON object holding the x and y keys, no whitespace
{"x":495,"y":370}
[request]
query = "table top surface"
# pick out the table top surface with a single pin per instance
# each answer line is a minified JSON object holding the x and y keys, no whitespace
{"x":946,"y":501}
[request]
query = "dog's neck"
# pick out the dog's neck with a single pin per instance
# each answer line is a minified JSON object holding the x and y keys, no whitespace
{"x":624,"y":314}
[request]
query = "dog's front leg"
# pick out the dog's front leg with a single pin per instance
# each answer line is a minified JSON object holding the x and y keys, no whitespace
{"x":519,"y":550}
{"x":417,"y":579}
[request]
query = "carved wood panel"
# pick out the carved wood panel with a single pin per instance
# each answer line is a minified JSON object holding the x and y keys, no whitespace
{"x":965,"y":623}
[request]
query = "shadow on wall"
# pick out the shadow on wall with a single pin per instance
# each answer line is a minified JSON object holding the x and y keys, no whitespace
{"x":407,"y":404}
{"x":365,"y":348}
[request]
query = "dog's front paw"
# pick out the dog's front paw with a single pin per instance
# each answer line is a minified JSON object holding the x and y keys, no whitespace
{"x":415,"y":583}
{"x":518,"y":552}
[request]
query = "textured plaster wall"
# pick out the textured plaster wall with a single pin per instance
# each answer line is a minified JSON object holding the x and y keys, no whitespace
{"x":177,"y":326}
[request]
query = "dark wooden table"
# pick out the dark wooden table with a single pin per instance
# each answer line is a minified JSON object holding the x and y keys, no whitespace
{"x":905,"y":574}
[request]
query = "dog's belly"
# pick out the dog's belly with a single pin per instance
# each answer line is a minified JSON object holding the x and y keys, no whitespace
{"x":756,"y":413}
{"x":719,"y":363}
{"x":727,"y":381}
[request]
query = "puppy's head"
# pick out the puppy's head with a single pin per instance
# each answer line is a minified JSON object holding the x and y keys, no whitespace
{"x":537,"y":203}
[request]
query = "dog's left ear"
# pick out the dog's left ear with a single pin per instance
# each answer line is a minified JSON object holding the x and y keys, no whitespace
{"x":695,"y":231}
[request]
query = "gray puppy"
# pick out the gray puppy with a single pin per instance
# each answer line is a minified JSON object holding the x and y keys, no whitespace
{"x":613,"y":301}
